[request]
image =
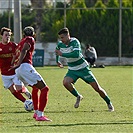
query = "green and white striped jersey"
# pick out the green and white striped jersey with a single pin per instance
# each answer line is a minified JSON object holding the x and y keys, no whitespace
{"x":73,"y":54}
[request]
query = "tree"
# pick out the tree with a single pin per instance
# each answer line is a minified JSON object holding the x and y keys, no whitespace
{"x":38,"y":5}
{"x":98,"y":26}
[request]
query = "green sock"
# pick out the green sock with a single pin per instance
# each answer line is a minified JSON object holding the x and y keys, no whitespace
{"x":75,"y":92}
{"x":107,"y":99}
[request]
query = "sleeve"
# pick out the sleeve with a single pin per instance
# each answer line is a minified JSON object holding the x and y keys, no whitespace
{"x":57,"y":57}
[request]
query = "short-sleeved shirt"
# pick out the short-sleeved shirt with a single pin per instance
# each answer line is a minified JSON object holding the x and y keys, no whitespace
{"x":6,"y":55}
{"x":28,"y":58}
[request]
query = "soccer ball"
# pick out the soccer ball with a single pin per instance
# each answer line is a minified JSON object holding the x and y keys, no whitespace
{"x":28,"y":105}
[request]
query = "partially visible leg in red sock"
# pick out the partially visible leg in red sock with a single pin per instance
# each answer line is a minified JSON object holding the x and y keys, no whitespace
{"x":20,"y":91}
{"x":19,"y":96}
{"x":20,"y":88}
{"x":35,"y":97}
{"x":43,"y":98}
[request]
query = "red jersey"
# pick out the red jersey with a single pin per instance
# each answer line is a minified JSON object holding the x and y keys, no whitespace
{"x":28,"y":58}
{"x":6,"y":54}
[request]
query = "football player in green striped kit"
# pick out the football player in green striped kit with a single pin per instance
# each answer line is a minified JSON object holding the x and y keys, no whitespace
{"x":70,"y":48}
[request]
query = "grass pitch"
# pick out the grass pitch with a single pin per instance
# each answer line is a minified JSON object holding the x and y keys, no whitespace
{"x":91,"y":117}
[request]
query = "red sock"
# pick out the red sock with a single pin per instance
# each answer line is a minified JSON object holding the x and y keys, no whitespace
{"x":19,"y":96}
{"x":43,"y":98}
{"x":35,"y":97}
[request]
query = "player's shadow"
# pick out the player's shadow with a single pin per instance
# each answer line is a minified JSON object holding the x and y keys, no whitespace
{"x":74,"y":111}
{"x":81,"y":124}
{"x":12,"y":110}
{"x":95,"y":123}
{"x":6,"y":110}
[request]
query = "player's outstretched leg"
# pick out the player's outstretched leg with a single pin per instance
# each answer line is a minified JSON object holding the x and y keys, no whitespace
{"x":35,"y":100}
{"x":42,"y":104}
{"x":103,"y":94}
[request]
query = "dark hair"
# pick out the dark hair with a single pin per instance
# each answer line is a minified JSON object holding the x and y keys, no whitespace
{"x":5,"y":29}
{"x":88,"y":45}
{"x":63,"y":31}
{"x":28,"y":31}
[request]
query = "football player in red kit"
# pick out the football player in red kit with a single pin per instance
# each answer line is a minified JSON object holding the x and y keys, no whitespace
{"x":29,"y":76}
{"x":9,"y":78}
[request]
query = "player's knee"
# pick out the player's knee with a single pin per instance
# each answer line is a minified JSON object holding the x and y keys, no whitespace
{"x":65,"y":83}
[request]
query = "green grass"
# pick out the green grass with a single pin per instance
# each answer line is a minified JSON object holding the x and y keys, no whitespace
{"x":92,"y":115}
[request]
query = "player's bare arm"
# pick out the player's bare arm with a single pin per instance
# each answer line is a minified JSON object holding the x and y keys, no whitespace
{"x":22,"y":55}
{"x":13,"y":60}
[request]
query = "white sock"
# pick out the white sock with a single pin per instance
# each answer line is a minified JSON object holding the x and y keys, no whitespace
{"x":40,"y":113}
{"x":36,"y":111}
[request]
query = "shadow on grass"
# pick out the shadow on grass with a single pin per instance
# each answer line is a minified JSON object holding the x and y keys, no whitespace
{"x":4,"y":110}
{"x":82,"y":124}
{"x":12,"y":110}
{"x":42,"y":124}
{"x":48,"y":112}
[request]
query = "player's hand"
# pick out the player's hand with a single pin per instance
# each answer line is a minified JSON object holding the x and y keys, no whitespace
{"x":59,"y":64}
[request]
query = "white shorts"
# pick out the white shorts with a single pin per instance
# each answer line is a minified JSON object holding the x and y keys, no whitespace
{"x":10,"y":80}
{"x":28,"y":75}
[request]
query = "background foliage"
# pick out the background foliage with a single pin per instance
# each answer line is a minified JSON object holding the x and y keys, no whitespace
{"x":96,"y":23}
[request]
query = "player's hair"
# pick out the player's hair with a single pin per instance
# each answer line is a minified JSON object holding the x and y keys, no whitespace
{"x":63,"y":31}
{"x":5,"y":29}
{"x":29,"y":31}
{"x":88,"y":45}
